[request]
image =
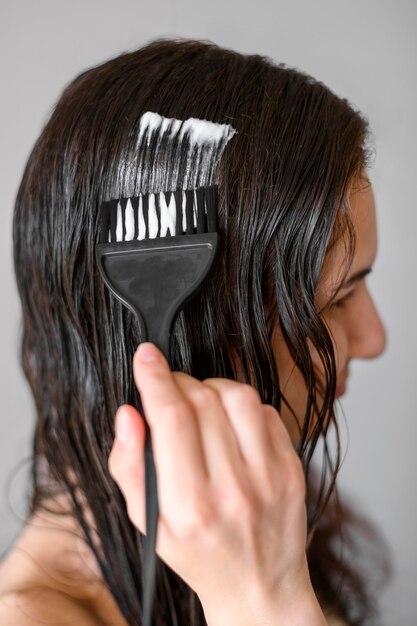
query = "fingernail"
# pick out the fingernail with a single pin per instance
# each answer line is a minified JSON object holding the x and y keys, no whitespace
{"x":123,"y":426}
{"x":147,"y":352}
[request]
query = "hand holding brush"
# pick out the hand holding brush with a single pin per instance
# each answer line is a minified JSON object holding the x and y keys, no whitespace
{"x":231,"y":488}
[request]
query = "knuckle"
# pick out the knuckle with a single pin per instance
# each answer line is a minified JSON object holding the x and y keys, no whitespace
{"x":220,"y":382}
{"x":197,"y":516}
{"x":250,"y":395}
{"x":271,"y":412}
{"x":276,"y":425}
{"x":236,"y":392}
{"x":245,"y":396}
{"x":204,"y":396}
{"x":237,"y":503}
{"x":182,"y":377}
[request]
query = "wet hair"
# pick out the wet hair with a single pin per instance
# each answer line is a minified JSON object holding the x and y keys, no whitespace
{"x":284,"y":185}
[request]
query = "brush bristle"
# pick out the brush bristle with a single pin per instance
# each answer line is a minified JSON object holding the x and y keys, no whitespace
{"x":165,"y":214}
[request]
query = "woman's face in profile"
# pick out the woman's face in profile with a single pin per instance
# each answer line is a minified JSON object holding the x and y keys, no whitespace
{"x":350,"y":314}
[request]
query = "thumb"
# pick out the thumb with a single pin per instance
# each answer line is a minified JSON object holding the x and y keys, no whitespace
{"x":126,"y":462}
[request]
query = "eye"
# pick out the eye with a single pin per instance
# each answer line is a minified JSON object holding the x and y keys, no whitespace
{"x":339,"y":304}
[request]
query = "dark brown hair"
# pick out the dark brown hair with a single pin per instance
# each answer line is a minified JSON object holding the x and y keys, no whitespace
{"x":283,"y":183}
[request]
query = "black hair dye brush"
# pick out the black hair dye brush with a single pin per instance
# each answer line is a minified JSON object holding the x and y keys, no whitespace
{"x":157,"y":247}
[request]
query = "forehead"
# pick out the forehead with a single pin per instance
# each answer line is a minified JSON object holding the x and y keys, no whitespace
{"x":363,"y":215}
{"x":362,"y":203}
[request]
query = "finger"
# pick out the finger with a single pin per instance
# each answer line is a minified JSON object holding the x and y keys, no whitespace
{"x":126,"y":462}
{"x":246,"y":414}
{"x":222,"y":452}
{"x":279,"y":435}
{"x":179,"y":458}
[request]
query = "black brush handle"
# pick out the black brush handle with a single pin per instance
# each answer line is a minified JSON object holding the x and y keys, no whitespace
{"x":152,"y":512}
{"x":155,"y":278}
{"x":152,"y":507}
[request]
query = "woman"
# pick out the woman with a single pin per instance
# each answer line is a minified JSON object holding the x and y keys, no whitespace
{"x":262,"y":353}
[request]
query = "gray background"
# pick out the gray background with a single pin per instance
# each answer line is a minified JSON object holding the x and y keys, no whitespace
{"x":365,"y":51}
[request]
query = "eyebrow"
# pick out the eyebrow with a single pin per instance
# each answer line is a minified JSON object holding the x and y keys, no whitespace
{"x":356,"y":277}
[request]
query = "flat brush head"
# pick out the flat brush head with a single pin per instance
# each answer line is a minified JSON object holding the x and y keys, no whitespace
{"x":165,"y":214}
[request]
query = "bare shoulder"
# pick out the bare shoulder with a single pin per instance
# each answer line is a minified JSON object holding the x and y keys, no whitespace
{"x":40,"y":605}
{"x":48,"y":577}
{"x":33,"y":590}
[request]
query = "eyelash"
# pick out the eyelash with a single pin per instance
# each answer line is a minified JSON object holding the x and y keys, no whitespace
{"x":339,"y":304}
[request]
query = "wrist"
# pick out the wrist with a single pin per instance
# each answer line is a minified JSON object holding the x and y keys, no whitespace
{"x":255,"y":609}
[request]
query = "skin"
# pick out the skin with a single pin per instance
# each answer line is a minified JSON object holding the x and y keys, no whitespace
{"x":229,"y":460}
{"x":347,"y":307}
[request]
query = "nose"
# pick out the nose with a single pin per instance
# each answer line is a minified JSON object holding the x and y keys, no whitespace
{"x":367,"y":338}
